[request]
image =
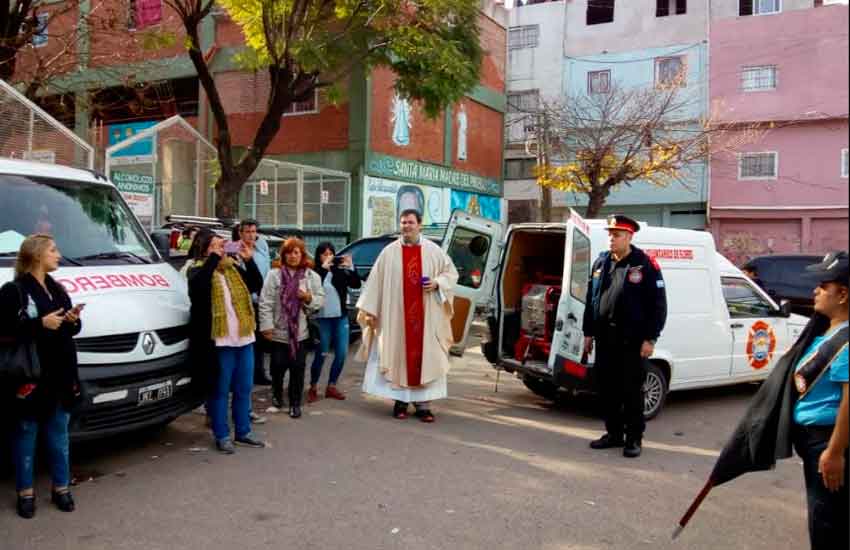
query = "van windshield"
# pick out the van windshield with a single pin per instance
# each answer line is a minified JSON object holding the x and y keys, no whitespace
{"x":90,"y":222}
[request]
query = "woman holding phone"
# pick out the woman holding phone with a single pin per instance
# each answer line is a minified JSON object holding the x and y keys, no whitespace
{"x":42,"y":405}
{"x":337,"y":275}
{"x":291,"y":291}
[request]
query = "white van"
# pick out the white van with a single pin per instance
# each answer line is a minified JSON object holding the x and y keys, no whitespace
{"x":721,"y":328}
{"x":133,"y":349}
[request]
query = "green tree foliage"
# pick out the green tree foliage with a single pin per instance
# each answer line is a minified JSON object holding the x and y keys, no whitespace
{"x":432,"y":46}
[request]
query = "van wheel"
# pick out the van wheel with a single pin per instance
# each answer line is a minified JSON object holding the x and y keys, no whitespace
{"x":654,"y":391}
{"x":542,"y":388}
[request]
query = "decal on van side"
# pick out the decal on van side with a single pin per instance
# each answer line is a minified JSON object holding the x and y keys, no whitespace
{"x":761,"y":344}
{"x":113,"y":281}
{"x":670,"y":253}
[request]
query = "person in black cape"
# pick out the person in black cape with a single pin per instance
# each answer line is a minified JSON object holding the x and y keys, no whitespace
{"x":804,"y":404}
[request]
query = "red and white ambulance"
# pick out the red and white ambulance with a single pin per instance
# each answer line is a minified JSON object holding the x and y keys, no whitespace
{"x":133,"y":349}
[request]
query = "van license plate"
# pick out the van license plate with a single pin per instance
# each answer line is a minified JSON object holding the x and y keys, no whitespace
{"x":155,"y":392}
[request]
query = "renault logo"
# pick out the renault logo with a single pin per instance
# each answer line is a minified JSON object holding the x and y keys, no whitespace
{"x":148,"y":343}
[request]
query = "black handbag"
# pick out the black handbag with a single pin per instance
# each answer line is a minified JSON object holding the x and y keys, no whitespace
{"x":18,"y":356}
{"x":315,"y":339}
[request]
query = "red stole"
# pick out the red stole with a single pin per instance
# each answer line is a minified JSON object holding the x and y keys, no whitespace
{"x":414,"y":312}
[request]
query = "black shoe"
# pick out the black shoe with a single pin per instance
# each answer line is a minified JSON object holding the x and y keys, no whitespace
{"x":607,"y":441}
{"x":225,"y":446}
{"x":295,"y":411}
{"x":400,"y":410}
{"x":250,"y":441}
{"x":26,"y":506}
{"x":278,"y":403}
{"x":632,"y":449}
{"x":262,"y":381}
{"x":63,"y":501}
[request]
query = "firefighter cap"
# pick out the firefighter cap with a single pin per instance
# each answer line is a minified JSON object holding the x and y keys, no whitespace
{"x":625,"y":223}
{"x":834,"y":267}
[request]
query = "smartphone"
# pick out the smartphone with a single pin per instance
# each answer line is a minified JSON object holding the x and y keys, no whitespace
{"x":79,"y":307}
{"x":232,"y":247}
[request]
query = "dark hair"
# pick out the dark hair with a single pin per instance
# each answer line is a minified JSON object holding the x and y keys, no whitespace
{"x":187,"y":231}
{"x":411,"y":212}
{"x":202,"y":243}
{"x":321,"y":249}
{"x":749,"y":266}
{"x":234,"y":233}
{"x":248,"y":222}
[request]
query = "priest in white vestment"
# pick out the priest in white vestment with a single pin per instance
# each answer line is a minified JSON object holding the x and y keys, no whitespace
{"x":406,"y":312}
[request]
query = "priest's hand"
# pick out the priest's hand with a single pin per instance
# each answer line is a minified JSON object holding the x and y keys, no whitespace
{"x":431,"y":286}
{"x":831,"y":468}
{"x":371,"y":321}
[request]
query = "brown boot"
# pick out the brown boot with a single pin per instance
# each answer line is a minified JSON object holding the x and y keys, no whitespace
{"x":312,"y":395}
{"x":332,"y":393}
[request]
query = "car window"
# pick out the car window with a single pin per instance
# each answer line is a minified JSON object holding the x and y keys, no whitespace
{"x":580,"y":273}
{"x":469,"y":251}
{"x":792,"y":271}
{"x":366,"y":253}
{"x":742,"y":299}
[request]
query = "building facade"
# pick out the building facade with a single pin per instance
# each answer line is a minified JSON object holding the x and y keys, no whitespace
{"x":787,"y":71}
{"x":385,"y":146}
{"x":619,"y":43}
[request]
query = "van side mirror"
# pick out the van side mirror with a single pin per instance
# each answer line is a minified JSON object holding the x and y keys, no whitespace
{"x":162,"y":243}
{"x":785,"y":308}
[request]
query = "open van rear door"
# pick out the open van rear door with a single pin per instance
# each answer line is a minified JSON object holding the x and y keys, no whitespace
{"x":568,"y":339}
{"x":473,"y":243}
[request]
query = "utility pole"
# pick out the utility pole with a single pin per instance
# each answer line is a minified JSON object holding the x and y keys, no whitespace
{"x":544,"y":210}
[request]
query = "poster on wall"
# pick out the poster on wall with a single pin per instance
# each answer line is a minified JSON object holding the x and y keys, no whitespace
{"x":384,"y":199}
{"x":485,"y":206}
{"x":138,"y":191}
{"x":139,"y":152}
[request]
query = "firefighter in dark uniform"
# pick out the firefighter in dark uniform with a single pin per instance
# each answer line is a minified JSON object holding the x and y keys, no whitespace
{"x":625,"y":313}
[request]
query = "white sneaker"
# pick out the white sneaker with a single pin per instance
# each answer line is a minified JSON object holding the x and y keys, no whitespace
{"x":257,"y":419}
{"x":202,"y":410}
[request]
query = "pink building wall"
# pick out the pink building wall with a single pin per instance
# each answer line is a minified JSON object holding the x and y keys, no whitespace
{"x":805,"y":208}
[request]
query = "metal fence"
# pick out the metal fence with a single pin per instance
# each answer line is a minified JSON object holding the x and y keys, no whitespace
{"x":167,"y":169}
{"x":27,"y":132}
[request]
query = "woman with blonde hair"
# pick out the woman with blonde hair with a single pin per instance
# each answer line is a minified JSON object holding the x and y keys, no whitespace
{"x":37,"y":308}
{"x":291,"y":291}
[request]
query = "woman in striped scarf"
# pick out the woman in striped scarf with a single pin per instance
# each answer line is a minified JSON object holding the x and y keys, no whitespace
{"x":222,"y":323}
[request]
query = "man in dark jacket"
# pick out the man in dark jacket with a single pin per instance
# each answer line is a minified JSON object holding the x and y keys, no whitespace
{"x":626,"y":311}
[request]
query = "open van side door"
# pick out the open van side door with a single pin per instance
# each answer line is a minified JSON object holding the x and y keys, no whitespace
{"x":568,"y":339}
{"x":474,"y":244}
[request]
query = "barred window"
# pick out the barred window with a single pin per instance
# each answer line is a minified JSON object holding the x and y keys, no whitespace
{"x":524,"y":102}
{"x":753,"y":166}
{"x":526,"y":36}
{"x":599,"y":82}
{"x":758,"y":78}
{"x":671,"y":71}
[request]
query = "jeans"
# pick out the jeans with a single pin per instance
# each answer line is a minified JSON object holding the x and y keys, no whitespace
{"x":828,"y":511}
{"x":333,"y":331}
{"x":281,"y":362}
{"x":55,"y":429}
{"x":236,"y":374}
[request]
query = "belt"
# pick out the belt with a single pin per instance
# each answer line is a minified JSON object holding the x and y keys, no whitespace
{"x":821,"y":432}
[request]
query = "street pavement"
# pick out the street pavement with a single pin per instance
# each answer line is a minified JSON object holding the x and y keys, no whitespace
{"x":503,"y":469}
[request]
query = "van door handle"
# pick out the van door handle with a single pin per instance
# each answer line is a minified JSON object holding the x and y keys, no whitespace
{"x":737,"y":325}
{"x":572,"y":317}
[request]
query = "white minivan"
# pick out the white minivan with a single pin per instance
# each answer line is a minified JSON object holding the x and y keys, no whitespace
{"x":721,"y":327}
{"x":133,"y":349}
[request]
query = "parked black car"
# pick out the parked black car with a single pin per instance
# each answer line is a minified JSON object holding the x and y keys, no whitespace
{"x":364,"y":252}
{"x":783,"y":278}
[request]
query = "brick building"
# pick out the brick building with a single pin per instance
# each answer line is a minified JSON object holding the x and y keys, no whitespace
{"x":394,"y":154}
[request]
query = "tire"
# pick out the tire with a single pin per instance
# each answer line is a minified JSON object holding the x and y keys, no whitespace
{"x":655,"y":390}
{"x":544,"y":389}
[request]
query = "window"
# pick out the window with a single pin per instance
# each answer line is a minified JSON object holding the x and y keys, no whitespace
{"x":325,"y":201}
{"x":600,"y":11}
{"x":845,"y":163}
{"x":524,"y":102}
{"x":307,"y":107}
{"x":523,"y":37}
{"x":670,"y":71}
{"x":39,"y":36}
{"x":663,"y":8}
{"x":760,"y":7}
{"x":469,"y":251}
{"x":758,"y":166}
{"x":143,"y":13}
{"x":580,"y":261}
{"x":754,"y":79}
{"x":742,"y":300}
{"x":599,"y":82}
{"x":518,"y":169}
